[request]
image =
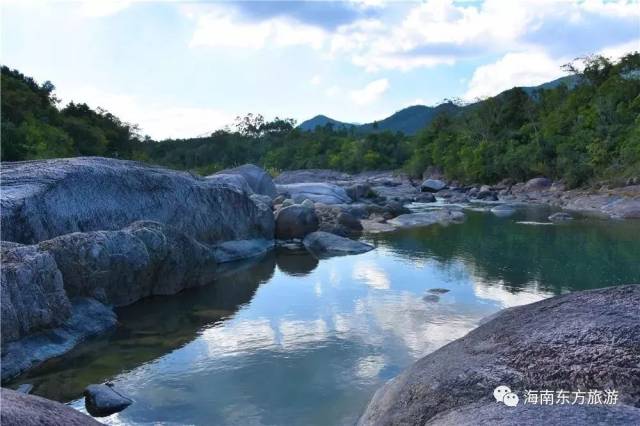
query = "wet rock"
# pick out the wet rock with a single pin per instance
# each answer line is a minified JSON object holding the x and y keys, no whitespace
{"x":560,"y":217}
{"x":257,"y":178}
{"x":47,"y":198}
{"x":443,"y":217}
{"x":349,"y":221}
{"x":279,"y":199}
{"x":231,"y":251}
{"x":104,"y":400}
{"x":326,"y":193}
{"x":425,"y":197}
{"x":432,"y":185}
{"x":288,"y":202}
{"x":25,"y":388}
{"x":325,"y":244}
{"x":30,"y":410}
{"x":503,"y":210}
{"x":596,"y":332}
{"x":295,"y":222}
{"x":307,"y":203}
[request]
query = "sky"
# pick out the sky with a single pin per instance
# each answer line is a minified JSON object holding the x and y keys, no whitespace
{"x":187,"y":68}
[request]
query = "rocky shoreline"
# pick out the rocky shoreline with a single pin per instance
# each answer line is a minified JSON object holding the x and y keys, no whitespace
{"x":81,"y":236}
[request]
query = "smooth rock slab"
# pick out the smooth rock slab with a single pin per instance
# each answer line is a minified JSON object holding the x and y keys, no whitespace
{"x":443,"y":216}
{"x":326,"y":193}
{"x":103,"y":400}
{"x":257,"y":178}
{"x":20,"y":409}
{"x":325,"y":244}
{"x":578,"y":341}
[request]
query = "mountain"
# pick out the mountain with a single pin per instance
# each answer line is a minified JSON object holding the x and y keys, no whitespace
{"x":414,"y":118}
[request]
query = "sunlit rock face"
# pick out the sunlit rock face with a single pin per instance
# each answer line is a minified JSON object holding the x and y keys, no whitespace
{"x":48,"y":198}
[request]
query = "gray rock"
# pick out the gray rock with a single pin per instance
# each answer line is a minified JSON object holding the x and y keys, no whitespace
{"x":279,"y":199}
{"x":433,"y":185}
{"x":307,"y":203}
{"x":232,"y":180}
{"x":25,"y":388}
{"x":349,"y":221}
{"x":231,"y":251}
{"x":311,"y":176}
{"x":325,"y":244}
{"x":425,"y":197}
{"x":88,"y":318}
{"x":47,"y":198}
{"x":33,"y":295}
{"x":503,"y":210}
{"x":538,"y":184}
{"x":560,"y":217}
{"x":326,"y":193}
{"x":358,"y":191}
{"x":444,"y":216}
{"x":103,"y":400}
{"x":596,"y":333}
{"x":30,"y":410}
{"x":258,"y":179}
{"x":288,"y":202}
{"x":295,"y":222}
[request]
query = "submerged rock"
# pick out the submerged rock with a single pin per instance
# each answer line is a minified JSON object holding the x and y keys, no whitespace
{"x":30,"y":410}
{"x":295,"y":222}
{"x":104,"y":400}
{"x":47,"y":198}
{"x":578,"y":341}
{"x":560,"y":217}
{"x":503,"y":210}
{"x":326,"y":244}
{"x":326,"y":193}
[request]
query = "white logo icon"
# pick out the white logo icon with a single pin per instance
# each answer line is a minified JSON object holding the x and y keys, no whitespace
{"x":504,"y":394}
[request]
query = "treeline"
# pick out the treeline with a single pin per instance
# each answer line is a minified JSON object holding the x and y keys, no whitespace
{"x":588,"y":131}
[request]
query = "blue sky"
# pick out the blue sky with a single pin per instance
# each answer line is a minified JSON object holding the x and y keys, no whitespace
{"x":181,"y":69}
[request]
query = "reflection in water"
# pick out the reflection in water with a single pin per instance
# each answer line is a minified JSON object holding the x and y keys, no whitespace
{"x":316,"y":339}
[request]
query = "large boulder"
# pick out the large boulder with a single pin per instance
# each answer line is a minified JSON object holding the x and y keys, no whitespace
{"x":311,"y":176}
{"x":295,"y":222}
{"x":538,"y":184}
{"x":258,"y":180}
{"x":47,"y":198}
{"x":325,"y":193}
{"x":432,"y":185}
{"x":578,"y":341}
{"x":324,"y":244}
{"x":33,"y":295}
{"x":30,"y":410}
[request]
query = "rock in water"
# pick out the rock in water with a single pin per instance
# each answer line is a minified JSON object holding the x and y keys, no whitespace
{"x":432,"y":185}
{"x":560,"y":217}
{"x":103,"y":400}
{"x":443,"y":217}
{"x":326,"y":193}
{"x":30,"y":410}
{"x":503,"y":210}
{"x":349,"y":221}
{"x":577,"y":341}
{"x":258,"y":180}
{"x":47,"y":198}
{"x":295,"y":222}
{"x":325,"y":244}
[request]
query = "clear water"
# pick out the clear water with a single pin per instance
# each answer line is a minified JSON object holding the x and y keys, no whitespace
{"x":291,"y":340}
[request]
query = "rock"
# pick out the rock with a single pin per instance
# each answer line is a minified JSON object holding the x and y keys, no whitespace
{"x":237,"y":181}
{"x":279,"y":199}
{"x":537,"y":184}
{"x":395,"y":208}
{"x":432,"y":185}
{"x":104,"y":400}
{"x":311,"y":176}
{"x":307,"y":203}
{"x":425,"y":197}
{"x":295,"y":222}
{"x":376,"y":227}
{"x":88,"y":318}
{"x":326,"y":193}
{"x":47,"y":198}
{"x":25,"y":388}
{"x":401,"y":192}
{"x":358,"y":191}
{"x":596,"y":332}
{"x":503,"y":210}
{"x":325,"y":244}
{"x":259,"y":180}
{"x":349,"y":221}
{"x":33,"y":295}
{"x":30,"y":410}
{"x":288,"y":202}
{"x":624,"y":208}
{"x":231,"y":251}
{"x":443,"y":217}
{"x":560,"y":217}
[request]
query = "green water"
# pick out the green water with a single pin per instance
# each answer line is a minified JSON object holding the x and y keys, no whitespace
{"x":290,"y":340}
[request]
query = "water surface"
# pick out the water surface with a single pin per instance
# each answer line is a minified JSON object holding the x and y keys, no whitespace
{"x":290,"y":340}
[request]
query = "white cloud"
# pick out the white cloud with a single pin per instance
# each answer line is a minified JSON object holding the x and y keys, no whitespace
{"x":101,"y":8}
{"x":155,"y":119}
{"x":315,"y":80}
{"x":513,"y":69}
{"x":370,"y":93}
{"x":619,"y":50}
{"x":223,"y":28}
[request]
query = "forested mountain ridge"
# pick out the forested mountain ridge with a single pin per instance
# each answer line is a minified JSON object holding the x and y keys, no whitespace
{"x":580,"y":132}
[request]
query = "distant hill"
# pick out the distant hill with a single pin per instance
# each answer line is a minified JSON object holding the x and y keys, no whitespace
{"x":414,"y":118}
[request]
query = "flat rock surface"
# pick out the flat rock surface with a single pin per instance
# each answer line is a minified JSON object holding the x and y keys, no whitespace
{"x":326,"y":244}
{"x":578,"y":341}
{"x":443,"y":216}
{"x":326,"y":193}
{"x":19,"y":409}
